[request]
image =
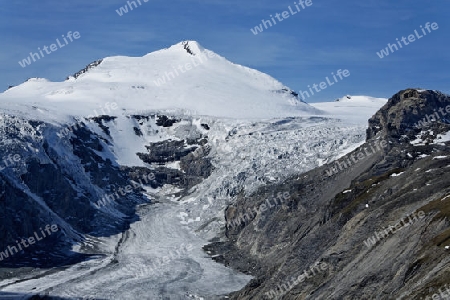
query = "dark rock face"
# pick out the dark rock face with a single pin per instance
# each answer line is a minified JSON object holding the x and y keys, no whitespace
{"x":58,"y":194}
{"x":331,"y":221}
{"x":165,"y":121}
{"x":406,"y":109}
{"x":101,"y":120}
{"x":193,"y":162}
{"x":190,"y":152}
{"x":137,"y":131}
{"x":87,"y":68}
{"x":165,"y":151}
{"x":187,"y":48}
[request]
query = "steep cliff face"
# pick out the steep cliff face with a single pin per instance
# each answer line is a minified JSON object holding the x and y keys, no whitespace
{"x":373,"y":225}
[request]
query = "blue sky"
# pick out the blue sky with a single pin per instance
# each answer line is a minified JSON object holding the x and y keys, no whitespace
{"x":299,"y":51}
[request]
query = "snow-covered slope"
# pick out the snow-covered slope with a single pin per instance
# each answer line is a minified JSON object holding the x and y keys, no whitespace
{"x":184,"y":77}
{"x":356,"y":109}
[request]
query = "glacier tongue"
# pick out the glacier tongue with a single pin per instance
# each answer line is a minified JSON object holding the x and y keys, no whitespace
{"x":157,"y":258}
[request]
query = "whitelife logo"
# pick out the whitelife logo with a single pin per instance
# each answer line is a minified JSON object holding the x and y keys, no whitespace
{"x":31,"y":241}
{"x":11,"y":160}
{"x":109,"y":198}
{"x":78,"y":125}
{"x":411,"y":38}
{"x":168,"y":76}
{"x":53,"y":47}
{"x":280,"y":17}
{"x":370,"y":242}
{"x":342,"y":165}
{"x":442,"y":294}
{"x":323,"y":85}
{"x":124,"y":9}
{"x":434,"y":117}
{"x":252,"y":212}
{"x":282,"y":289}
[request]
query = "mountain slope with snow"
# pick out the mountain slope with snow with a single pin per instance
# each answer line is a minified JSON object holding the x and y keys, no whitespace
{"x":357,"y":109}
{"x":184,"y":77}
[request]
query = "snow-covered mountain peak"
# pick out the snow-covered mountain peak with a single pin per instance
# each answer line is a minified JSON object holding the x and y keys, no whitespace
{"x":191,"y":47}
{"x":184,"y":77}
{"x":188,"y":48}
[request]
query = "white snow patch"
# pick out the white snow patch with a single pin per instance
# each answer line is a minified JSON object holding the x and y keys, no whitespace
{"x":357,"y":109}
{"x":397,"y":174}
{"x":442,"y":138}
